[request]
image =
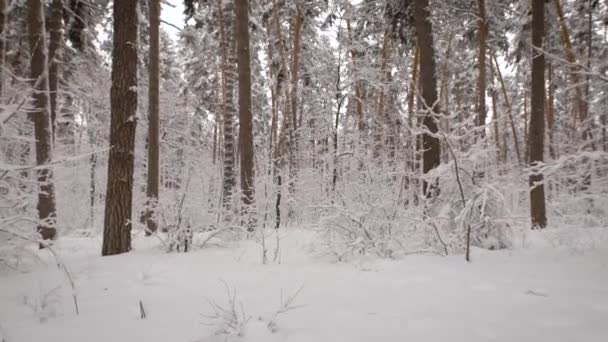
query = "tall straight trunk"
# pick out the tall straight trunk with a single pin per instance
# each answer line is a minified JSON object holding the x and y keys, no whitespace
{"x":288,"y":110}
{"x":123,"y":101}
{"x":55,"y":55}
{"x":481,"y":64}
{"x":295,"y":66}
{"x":430,"y":145}
{"x":550,"y":110}
{"x":411,"y":95}
{"x":2,"y":44}
{"x":40,"y":115}
{"x":382,"y":121}
{"x":245,"y":115}
{"x":153,"y":116}
{"x":358,"y":100}
{"x":526,"y":141}
{"x":495,"y":116}
{"x":536,"y":135}
{"x":509,"y":111}
{"x":227,"y":45}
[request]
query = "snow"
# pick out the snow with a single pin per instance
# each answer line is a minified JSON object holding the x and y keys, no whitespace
{"x":534,"y":292}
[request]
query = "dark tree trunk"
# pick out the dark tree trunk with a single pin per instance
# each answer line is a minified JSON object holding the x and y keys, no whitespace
{"x":428,"y":83}
{"x":153,"y":116}
{"x":55,"y":55}
{"x":536,"y":135}
{"x":40,"y":115}
{"x":481,"y":60}
{"x":123,"y":98}
{"x":245,"y":116}
{"x":2,"y":44}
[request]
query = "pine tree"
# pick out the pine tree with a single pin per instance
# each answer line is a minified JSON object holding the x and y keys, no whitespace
{"x":153,"y":175}
{"x":123,"y":98}
{"x":55,"y":55}
{"x":245,"y":116}
{"x":536,"y":136}
{"x":430,"y":145}
{"x":40,"y":115}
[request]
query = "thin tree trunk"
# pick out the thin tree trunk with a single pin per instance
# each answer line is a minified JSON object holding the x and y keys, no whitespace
{"x":508,"y":107}
{"x":123,"y":98}
{"x":430,"y":145}
{"x":288,"y":113}
{"x":380,"y":120}
{"x":55,"y":56}
{"x":495,"y":117}
{"x":295,"y":67}
{"x":481,"y":60}
{"x":358,"y":100}
{"x":40,"y":115}
{"x":574,"y":67}
{"x":153,"y":179}
{"x":2,"y":44}
{"x":526,"y":140}
{"x":550,"y":110}
{"x":537,"y":119}
{"x":413,"y":84}
{"x":245,"y":115}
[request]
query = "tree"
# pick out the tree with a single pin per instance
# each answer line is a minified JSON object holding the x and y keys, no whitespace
{"x":428,"y":82}
{"x":55,"y":47}
{"x":537,"y":117}
{"x":481,"y":60}
{"x":41,"y":117}
{"x":246,"y":146}
{"x":227,"y":44}
{"x":123,"y":102}
{"x":2,"y":43}
{"x":153,"y":115}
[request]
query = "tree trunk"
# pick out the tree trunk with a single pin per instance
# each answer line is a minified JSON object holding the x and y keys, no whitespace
{"x":2,"y":44}
{"x":227,"y":45}
{"x":430,"y":145}
{"x":574,"y":68}
{"x":40,"y":115}
{"x":550,"y":110}
{"x":495,"y":117}
{"x":153,"y":116}
{"x":358,"y":100}
{"x":55,"y":55}
{"x":123,"y":99}
{"x":481,"y":60}
{"x":245,"y":115}
{"x":536,"y":135}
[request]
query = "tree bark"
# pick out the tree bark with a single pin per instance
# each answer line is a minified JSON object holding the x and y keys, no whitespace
{"x":574,"y":67}
{"x":536,"y":135}
{"x":2,"y":44}
{"x":55,"y":56}
{"x":153,"y":116}
{"x":123,"y":99}
{"x":431,"y":148}
{"x":40,"y":115}
{"x":245,"y":115}
{"x":481,"y":60}
{"x":227,"y":46}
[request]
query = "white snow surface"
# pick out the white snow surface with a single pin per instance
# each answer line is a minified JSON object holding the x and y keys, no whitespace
{"x":536,"y":292}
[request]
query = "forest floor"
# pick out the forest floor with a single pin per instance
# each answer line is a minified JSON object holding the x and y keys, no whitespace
{"x":549,"y":290}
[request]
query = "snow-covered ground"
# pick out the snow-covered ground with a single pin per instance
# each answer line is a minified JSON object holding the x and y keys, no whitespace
{"x":535,"y":293}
